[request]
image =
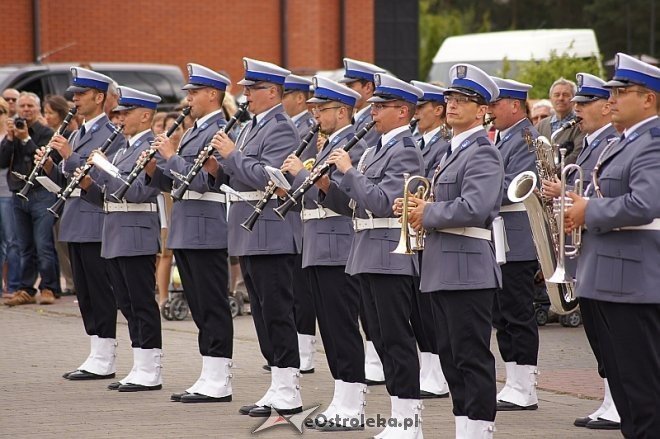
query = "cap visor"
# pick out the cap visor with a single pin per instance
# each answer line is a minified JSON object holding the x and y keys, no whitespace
{"x":613,"y":83}
{"x":124,"y":107}
{"x":464,"y":91}
{"x":315,"y":100}
{"x":382,"y":99}
{"x":246,"y":82}
{"x":346,"y":80}
{"x":579,"y":98}
{"x":76,"y":89}
{"x":193,"y":86}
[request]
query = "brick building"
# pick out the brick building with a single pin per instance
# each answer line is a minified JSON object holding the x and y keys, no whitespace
{"x":302,"y":35}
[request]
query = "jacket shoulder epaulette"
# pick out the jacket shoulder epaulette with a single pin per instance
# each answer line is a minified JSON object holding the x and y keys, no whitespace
{"x":483,"y":141}
{"x":655,"y":132}
{"x":408,"y":142}
{"x":280,"y":117}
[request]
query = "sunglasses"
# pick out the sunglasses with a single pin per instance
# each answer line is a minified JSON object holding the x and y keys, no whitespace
{"x":10,"y":99}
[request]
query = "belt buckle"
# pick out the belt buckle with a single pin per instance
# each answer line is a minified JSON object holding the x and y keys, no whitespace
{"x":322,"y":212}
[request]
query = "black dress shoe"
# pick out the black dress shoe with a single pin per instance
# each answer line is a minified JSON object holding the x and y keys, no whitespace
{"x":266,"y":367}
{"x":66,"y":374}
{"x":130,"y":387}
{"x":503,"y":406}
{"x":198,"y":397}
{"x":114,"y":386}
{"x":582,"y":422}
{"x":369,"y":382}
{"x":176,"y":397}
{"x":603,"y":424}
{"x":264,"y":412}
{"x":245,"y":410}
{"x":78,"y":375}
{"x":423,"y":394}
{"x":305,"y":372}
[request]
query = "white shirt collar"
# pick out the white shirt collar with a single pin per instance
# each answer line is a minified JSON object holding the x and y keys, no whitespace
{"x":298,"y":116}
{"x":263,"y":114}
{"x":134,"y":138}
{"x":385,"y":138}
{"x":459,"y":138}
{"x":338,"y":132}
{"x":359,"y":114}
{"x":505,"y":131}
{"x":591,"y":137}
{"x":89,"y":124}
{"x":639,"y":124}
{"x":429,"y":135}
{"x":199,"y":122}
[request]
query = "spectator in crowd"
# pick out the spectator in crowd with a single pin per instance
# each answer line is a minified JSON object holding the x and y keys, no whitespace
{"x":540,"y":110}
{"x":10,"y":257}
{"x":55,"y":110}
{"x":34,"y":225}
{"x":561,"y":93}
{"x":158,"y":124}
{"x":10,"y":95}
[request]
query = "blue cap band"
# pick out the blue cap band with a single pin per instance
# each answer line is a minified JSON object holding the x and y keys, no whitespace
{"x":326,"y":93}
{"x":138,"y":103}
{"x":259,"y":76}
{"x":296,"y":86}
{"x":471,"y":85}
{"x":512,"y":94}
{"x":435,"y":97}
{"x":202,"y":80}
{"x":357,"y":74}
{"x":90,"y":83}
{"x":593,"y":91}
{"x":638,"y":78}
{"x":410,"y":97}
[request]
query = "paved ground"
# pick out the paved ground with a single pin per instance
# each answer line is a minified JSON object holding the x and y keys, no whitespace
{"x":40,"y":343}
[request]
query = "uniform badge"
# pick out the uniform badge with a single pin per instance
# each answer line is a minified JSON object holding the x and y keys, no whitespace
{"x":190,"y":70}
{"x":461,"y":71}
{"x":580,"y":80}
{"x":465,"y":143}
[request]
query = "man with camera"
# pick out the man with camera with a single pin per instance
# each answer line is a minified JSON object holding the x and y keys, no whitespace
{"x":34,"y":225}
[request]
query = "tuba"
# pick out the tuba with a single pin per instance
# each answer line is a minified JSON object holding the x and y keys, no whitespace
{"x":543,"y":222}
{"x":405,"y":246}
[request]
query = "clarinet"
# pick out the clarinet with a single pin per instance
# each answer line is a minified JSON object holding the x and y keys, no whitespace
{"x":29,"y":182}
{"x":119,"y":194}
{"x":317,"y":173}
{"x":56,"y":208}
{"x":203,"y":156}
{"x":249,"y":223}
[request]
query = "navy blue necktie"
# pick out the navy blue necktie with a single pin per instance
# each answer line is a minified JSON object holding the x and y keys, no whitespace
{"x":82,"y":131}
{"x":379,"y":146}
{"x":422,"y":143}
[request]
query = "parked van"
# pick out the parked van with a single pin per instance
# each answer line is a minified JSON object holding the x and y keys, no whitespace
{"x":44,"y":79}
{"x":489,"y":50}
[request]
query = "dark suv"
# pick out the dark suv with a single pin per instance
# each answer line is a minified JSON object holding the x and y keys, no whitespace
{"x":44,"y":79}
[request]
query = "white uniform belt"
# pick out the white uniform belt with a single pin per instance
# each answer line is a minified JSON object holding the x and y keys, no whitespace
{"x":653,"y":225}
{"x":248,"y":196}
{"x":515,"y":207}
{"x":130,"y":207}
{"x":360,"y":224}
{"x":320,"y":213}
{"x":472,"y":232}
{"x":206,"y":196}
{"x":75,"y":193}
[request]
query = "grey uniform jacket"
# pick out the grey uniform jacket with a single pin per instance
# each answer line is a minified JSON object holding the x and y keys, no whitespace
{"x":127,"y":233}
{"x":327,"y":241}
{"x":374,"y":189}
{"x":82,"y":221}
{"x":371,"y":139}
{"x":572,"y":136}
{"x":195,"y":224}
{"x":433,"y":152}
{"x":622,"y":266}
{"x":269,"y":143}
{"x":589,"y":156}
{"x":517,"y":158}
{"x":467,"y":190}
{"x":304,"y":124}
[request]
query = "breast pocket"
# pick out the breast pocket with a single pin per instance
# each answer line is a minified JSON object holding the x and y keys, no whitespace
{"x":375,"y":172}
{"x":619,"y":269}
{"x":611,"y":181}
{"x":444,"y":184}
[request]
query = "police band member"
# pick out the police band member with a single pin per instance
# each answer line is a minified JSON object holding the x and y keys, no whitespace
{"x":81,"y":224}
{"x":198,"y":236}
{"x":359,"y":76}
{"x":617,"y":273}
{"x":130,"y":241}
{"x":514,"y":316}
{"x":593,"y":107}
{"x":294,"y":101}
{"x":327,"y":237}
{"x":433,"y":142}
{"x":386,"y":280}
{"x":460,"y":271}
{"x":268,"y":253}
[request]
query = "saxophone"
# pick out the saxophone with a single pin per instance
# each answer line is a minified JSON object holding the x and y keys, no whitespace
{"x":543,"y":221}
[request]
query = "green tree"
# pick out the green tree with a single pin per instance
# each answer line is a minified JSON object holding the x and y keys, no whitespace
{"x":543,"y":73}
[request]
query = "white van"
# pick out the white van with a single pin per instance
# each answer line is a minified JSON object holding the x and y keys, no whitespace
{"x":488,"y":50}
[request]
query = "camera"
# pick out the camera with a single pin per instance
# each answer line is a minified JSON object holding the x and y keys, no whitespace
{"x":19,"y":123}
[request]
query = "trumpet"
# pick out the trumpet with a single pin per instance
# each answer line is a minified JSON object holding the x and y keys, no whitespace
{"x":178,"y":192}
{"x":560,"y":275}
{"x":405,"y":246}
{"x":249,"y":223}
{"x":119,"y":194}
{"x":29,"y":181}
